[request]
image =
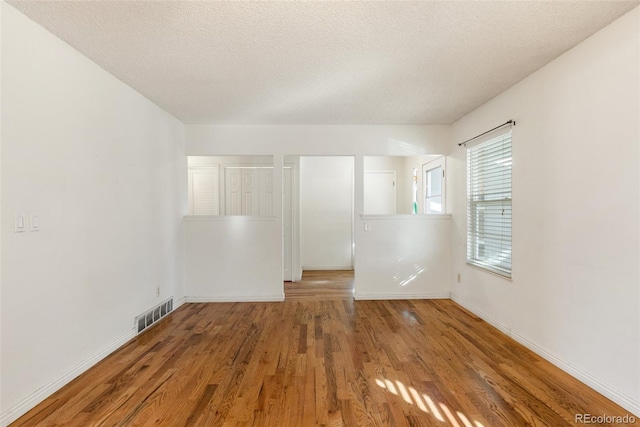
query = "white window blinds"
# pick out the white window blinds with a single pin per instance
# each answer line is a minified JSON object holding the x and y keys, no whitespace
{"x":489,"y":205}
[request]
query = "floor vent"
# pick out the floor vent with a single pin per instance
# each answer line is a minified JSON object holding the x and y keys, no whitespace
{"x":152,"y":316}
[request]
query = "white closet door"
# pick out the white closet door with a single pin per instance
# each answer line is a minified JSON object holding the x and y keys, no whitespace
{"x":233,"y":191}
{"x":266,"y":191}
{"x":250,"y":192}
{"x":203,"y":188}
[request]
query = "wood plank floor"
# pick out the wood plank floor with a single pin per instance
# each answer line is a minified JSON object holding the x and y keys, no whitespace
{"x":321,"y":362}
{"x":321,"y":284}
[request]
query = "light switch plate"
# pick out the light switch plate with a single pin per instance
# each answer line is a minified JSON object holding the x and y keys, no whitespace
{"x":34,"y":221}
{"x":20,"y":223}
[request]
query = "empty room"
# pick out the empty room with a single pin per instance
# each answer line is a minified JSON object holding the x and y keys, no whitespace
{"x":319,"y":213}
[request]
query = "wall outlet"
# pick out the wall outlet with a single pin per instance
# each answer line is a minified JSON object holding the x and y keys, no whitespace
{"x":459,"y":278}
{"x":158,"y":291}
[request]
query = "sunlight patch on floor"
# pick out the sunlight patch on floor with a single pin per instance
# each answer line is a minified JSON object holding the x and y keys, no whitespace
{"x":411,"y":396}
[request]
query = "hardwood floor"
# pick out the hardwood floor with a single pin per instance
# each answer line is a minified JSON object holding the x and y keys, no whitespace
{"x":321,"y":284}
{"x":327,"y":361}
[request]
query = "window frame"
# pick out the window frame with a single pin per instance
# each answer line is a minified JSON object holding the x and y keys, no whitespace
{"x":496,"y":150}
{"x":427,"y":167}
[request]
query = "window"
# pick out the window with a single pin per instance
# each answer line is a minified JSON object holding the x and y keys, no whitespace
{"x":433,"y":174}
{"x":489,"y":205}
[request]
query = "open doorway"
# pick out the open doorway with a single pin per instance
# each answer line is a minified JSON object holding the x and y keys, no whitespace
{"x":321,"y":284}
{"x":326,"y":215}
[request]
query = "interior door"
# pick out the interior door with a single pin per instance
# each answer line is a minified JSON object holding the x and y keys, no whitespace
{"x":233,"y":191}
{"x":266,"y":191}
{"x":250,"y":192}
{"x":380,"y":192}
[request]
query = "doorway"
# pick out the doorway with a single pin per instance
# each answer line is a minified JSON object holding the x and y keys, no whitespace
{"x":326,"y":212}
{"x":322,"y":224}
{"x":321,"y":285}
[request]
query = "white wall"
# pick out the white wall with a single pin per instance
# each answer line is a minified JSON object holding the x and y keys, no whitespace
{"x":403,"y":257}
{"x":328,"y":140}
{"x":358,"y":141}
{"x":234,"y":259}
{"x":105,"y":170}
{"x":326,"y":212}
{"x":1,"y":401}
{"x":229,"y":160}
{"x":575,"y":295}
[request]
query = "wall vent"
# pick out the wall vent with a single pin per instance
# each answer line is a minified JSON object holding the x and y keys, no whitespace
{"x":150,"y":317}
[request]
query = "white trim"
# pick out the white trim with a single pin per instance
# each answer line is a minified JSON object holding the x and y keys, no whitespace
{"x":193,"y":218}
{"x":29,"y":402}
{"x":361,"y":296}
{"x":428,"y":217}
{"x":327,"y":267}
{"x":177,"y":303}
{"x":622,"y":399}
{"x":487,"y":270}
{"x":237,"y":298}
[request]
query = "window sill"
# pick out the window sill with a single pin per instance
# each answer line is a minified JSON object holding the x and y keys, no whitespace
{"x":477,"y":267}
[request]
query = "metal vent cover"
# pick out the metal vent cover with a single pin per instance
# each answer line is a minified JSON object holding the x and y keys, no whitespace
{"x":151,"y":316}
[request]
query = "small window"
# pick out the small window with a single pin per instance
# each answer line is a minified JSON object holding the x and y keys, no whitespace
{"x":433,"y":174}
{"x":489,"y":205}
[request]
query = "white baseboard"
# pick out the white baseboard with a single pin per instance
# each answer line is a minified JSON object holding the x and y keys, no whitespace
{"x":238,"y":298}
{"x":622,"y":399}
{"x":178,"y":302}
{"x":502,"y":327}
{"x":22,"y":407}
{"x":361,"y":296}
{"x":326,"y":267}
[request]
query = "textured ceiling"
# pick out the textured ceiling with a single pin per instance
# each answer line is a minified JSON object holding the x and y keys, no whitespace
{"x":388,"y":62}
